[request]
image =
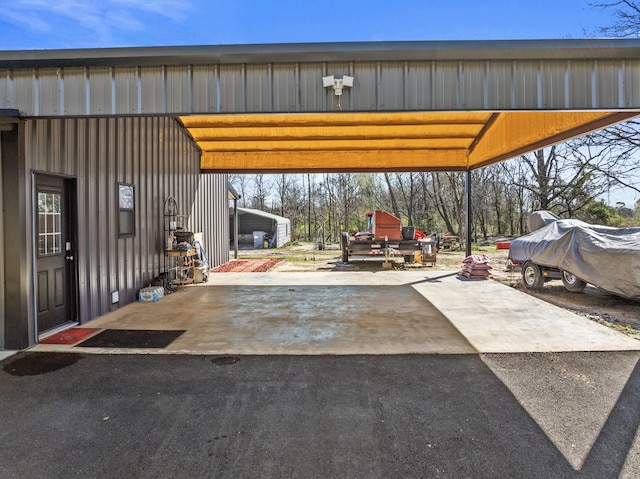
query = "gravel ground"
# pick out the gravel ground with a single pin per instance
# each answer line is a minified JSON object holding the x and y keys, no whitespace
{"x":619,"y":313}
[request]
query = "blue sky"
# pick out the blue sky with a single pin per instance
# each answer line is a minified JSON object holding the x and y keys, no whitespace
{"x":59,"y":24}
{"x":53,"y":24}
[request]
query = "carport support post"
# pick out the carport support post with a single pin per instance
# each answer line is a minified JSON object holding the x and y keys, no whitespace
{"x":235,"y":227}
{"x":467,"y":199}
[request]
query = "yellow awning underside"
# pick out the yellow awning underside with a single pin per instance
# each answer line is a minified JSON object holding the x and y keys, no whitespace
{"x":381,"y":141}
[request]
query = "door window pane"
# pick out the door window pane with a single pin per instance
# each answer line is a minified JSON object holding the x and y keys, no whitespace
{"x":49,"y":223}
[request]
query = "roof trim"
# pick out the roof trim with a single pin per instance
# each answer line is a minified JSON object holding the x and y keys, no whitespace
{"x":232,"y":193}
{"x":9,"y":112}
{"x":567,"y":49}
{"x":263,"y":214}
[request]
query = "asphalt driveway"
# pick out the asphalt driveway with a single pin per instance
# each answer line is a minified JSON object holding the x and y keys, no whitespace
{"x":185,"y":416}
{"x":321,"y":376}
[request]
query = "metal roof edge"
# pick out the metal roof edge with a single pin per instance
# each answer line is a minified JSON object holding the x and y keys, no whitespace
{"x":263,"y":214}
{"x":232,"y":192}
{"x":9,"y":112}
{"x":566,"y":49}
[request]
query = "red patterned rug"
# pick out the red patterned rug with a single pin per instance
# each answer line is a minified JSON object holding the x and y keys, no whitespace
{"x":247,"y":266}
{"x":70,"y":336}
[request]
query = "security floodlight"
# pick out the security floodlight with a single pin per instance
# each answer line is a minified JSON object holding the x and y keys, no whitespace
{"x":327,"y":81}
{"x":337,"y":84}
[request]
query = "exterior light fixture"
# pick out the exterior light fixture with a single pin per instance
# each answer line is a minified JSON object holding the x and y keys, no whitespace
{"x":338,"y":84}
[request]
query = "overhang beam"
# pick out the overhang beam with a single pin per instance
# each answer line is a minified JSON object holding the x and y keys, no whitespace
{"x":398,"y":144}
{"x":347,"y":132}
{"x":335,"y":119}
{"x":356,"y":161}
{"x":516,"y":133}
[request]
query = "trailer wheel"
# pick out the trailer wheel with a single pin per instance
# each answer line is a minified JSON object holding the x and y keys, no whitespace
{"x":571,"y":283}
{"x":344,"y":244}
{"x":532,"y":276}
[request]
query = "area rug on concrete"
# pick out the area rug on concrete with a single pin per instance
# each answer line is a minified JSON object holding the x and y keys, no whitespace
{"x":247,"y":266}
{"x":70,"y":336}
{"x":131,"y":338}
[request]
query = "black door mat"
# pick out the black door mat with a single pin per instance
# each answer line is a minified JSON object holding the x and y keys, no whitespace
{"x":132,"y":338}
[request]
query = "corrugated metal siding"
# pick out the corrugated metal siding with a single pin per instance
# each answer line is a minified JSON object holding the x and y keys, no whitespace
{"x":2,"y":262}
{"x":248,"y":223}
{"x":208,"y":213}
{"x":156,"y":156}
{"x":206,"y":89}
{"x":367,"y":94}
{"x":259,"y":88}
{"x":292,"y":87}
{"x":418,"y":81}
{"x":309,"y":85}
{"x":286,"y":87}
{"x":446,"y":86}
{"x":232,"y":89}
{"x":284,"y":234}
{"x":394,"y":75}
{"x":126,"y":89}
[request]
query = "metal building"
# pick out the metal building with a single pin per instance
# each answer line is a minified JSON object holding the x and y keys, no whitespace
{"x":67,"y":239}
{"x":92,"y":142}
{"x":251,"y":220}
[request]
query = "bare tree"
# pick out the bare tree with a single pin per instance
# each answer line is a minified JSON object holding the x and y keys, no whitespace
{"x":240,"y":183}
{"x":407,"y":185}
{"x":496,"y":190}
{"x":626,"y":14}
{"x":446,"y":194}
{"x":618,"y":148}
{"x":566,"y":177}
{"x":517,"y":198}
{"x":623,"y":138}
{"x":260,"y":192}
{"x":283,"y":183}
{"x":482,"y":211}
{"x":392,"y":196}
{"x":309,"y":205}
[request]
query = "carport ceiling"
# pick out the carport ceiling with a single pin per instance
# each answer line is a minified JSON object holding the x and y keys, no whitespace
{"x":382,"y":141}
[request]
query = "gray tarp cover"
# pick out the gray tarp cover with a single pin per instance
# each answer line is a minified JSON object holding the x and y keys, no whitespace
{"x":606,"y":257}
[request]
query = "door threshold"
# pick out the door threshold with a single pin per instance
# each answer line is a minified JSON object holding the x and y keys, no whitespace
{"x":56,"y":330}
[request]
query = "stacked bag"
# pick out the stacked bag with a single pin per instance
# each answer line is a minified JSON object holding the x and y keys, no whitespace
{"x":476,"y":266}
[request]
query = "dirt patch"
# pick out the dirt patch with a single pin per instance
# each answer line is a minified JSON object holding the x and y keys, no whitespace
{"x":619,"y":313}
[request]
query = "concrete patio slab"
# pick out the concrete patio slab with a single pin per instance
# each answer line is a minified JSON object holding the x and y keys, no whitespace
{"x":495,"y":318}
{"x":387,"y":312}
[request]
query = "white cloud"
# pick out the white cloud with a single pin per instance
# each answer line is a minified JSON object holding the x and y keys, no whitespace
{"x":172,"y":9}
{"x":97,"y":21}
{"x":32,"y":22}
{"x":124,"y":20}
